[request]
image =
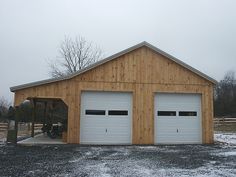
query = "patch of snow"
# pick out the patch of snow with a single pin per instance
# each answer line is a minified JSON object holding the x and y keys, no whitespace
{"x":39,"y":139}
{"x":104,"y":169}
{"x":147,"y":147}
{"x":2,"y":142}
{"x":122,"y":151}
{"x":98,"y":169}
{"x":74,"y":160}
{"x":159,"y":149}
{"x":115,"y":154}
{"x":97,"y":149}
{"x":88,"y":153}
{"x":207,"y":171}
{"x":212,"y":162}
{"x":227,"y":138}
{"x":145,"y":171}
{"x":3,"y":138}
{"x":231,"y":153}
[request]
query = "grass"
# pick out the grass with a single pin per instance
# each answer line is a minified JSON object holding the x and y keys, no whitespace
{"x":225,"y":127}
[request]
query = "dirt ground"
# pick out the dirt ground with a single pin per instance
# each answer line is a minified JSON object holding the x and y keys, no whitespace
{"x":74,"y":160}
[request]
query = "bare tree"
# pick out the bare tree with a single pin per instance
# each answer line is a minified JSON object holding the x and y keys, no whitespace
{"x":4,"y":105}
{"x":74,"y":54}
{"x":225,"y":96}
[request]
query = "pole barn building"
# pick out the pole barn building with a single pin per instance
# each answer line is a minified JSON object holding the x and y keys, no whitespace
{"x":141,"y":95}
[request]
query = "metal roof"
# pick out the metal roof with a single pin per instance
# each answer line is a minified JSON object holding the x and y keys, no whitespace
{"x":47,"y":81}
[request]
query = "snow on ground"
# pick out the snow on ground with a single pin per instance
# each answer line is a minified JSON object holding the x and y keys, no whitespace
{"x":2,"y":138}
{"x":227,"y":138}
{"x":194,"y":160}
{"x":230,"y":153}
{"x":138,"y":161}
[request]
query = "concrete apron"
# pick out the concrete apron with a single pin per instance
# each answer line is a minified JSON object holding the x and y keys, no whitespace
{"x":40,"y":139}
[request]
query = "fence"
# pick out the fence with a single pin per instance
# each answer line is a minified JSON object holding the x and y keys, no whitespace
{"x":3,"y":132}
{"x":224,"y":120}
{"x":23,"y":129}
{"x":225,"y":124}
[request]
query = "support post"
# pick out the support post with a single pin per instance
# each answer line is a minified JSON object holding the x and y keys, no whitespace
{"x":52,"y":112}
{"x":45,"y":113}
{"x":33,"y":117}
{"x":16,"y":124}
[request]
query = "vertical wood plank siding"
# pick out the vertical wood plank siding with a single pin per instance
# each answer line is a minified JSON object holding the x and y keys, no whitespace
{"x":142,"y":72}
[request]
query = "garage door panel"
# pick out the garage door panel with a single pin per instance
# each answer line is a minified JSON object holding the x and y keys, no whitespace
{"x":118,"y":130}
{"x":175,"y":107}
{"x":182,"y":127}
{"x":112,"y":128}
{"x":167,"y":140}
{"x":172,"y":140}
{"x":91,"y":135}
{"x":109,"y":106}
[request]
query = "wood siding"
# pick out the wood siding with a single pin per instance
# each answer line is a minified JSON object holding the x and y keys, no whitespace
{"x":142,"y":72}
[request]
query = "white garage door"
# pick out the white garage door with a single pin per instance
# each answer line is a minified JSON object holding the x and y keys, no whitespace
{"x":105,"y":118}
{"x":178,"y":118}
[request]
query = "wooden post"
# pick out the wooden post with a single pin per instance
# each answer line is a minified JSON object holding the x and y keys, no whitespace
{"x":33,"y":117}
{"x":16,"y":124}
{"x":45,"y":113}
{"x":52,"y":112}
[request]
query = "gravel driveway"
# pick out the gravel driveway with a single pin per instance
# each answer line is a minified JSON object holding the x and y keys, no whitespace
{"x":74,"y":160}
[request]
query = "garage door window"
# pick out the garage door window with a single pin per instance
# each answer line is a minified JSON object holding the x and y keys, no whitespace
{"x":187,"y":113}
{"x":95,"y":112}
{"x":118,"y":112}
{"x":166,"y":113}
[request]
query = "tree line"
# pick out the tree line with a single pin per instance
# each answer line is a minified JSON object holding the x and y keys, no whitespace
{"x":225,"y":96}
{"x":54,"y":113}
{"x":7,"y":112}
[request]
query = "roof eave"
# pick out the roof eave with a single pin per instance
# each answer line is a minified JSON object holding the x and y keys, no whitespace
{"x":37,"y":83}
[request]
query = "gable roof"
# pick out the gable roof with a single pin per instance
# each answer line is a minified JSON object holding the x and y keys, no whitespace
{"x":142,"y":44}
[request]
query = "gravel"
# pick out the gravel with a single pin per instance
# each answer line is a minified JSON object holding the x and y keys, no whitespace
{"x":74,"y":160}
{"x":85,"y":161}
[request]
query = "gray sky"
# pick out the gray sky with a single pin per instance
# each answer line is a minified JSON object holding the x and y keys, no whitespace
{"x":201,"y":33}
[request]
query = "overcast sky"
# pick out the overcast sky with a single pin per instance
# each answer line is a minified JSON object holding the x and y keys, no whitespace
{"x":201,"y":33}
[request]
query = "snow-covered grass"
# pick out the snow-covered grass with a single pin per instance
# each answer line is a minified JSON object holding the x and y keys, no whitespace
{"x":2,"y":138}
{"x":226,"y":138}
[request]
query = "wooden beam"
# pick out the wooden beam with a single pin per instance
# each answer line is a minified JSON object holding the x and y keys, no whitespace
{"x":33,"y":117}
{"x":45,"y":113}
{"x":52,"y":112}
{"x":16,"y":124}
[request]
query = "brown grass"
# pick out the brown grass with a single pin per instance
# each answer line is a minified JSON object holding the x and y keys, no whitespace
{"x":225,"y":127}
